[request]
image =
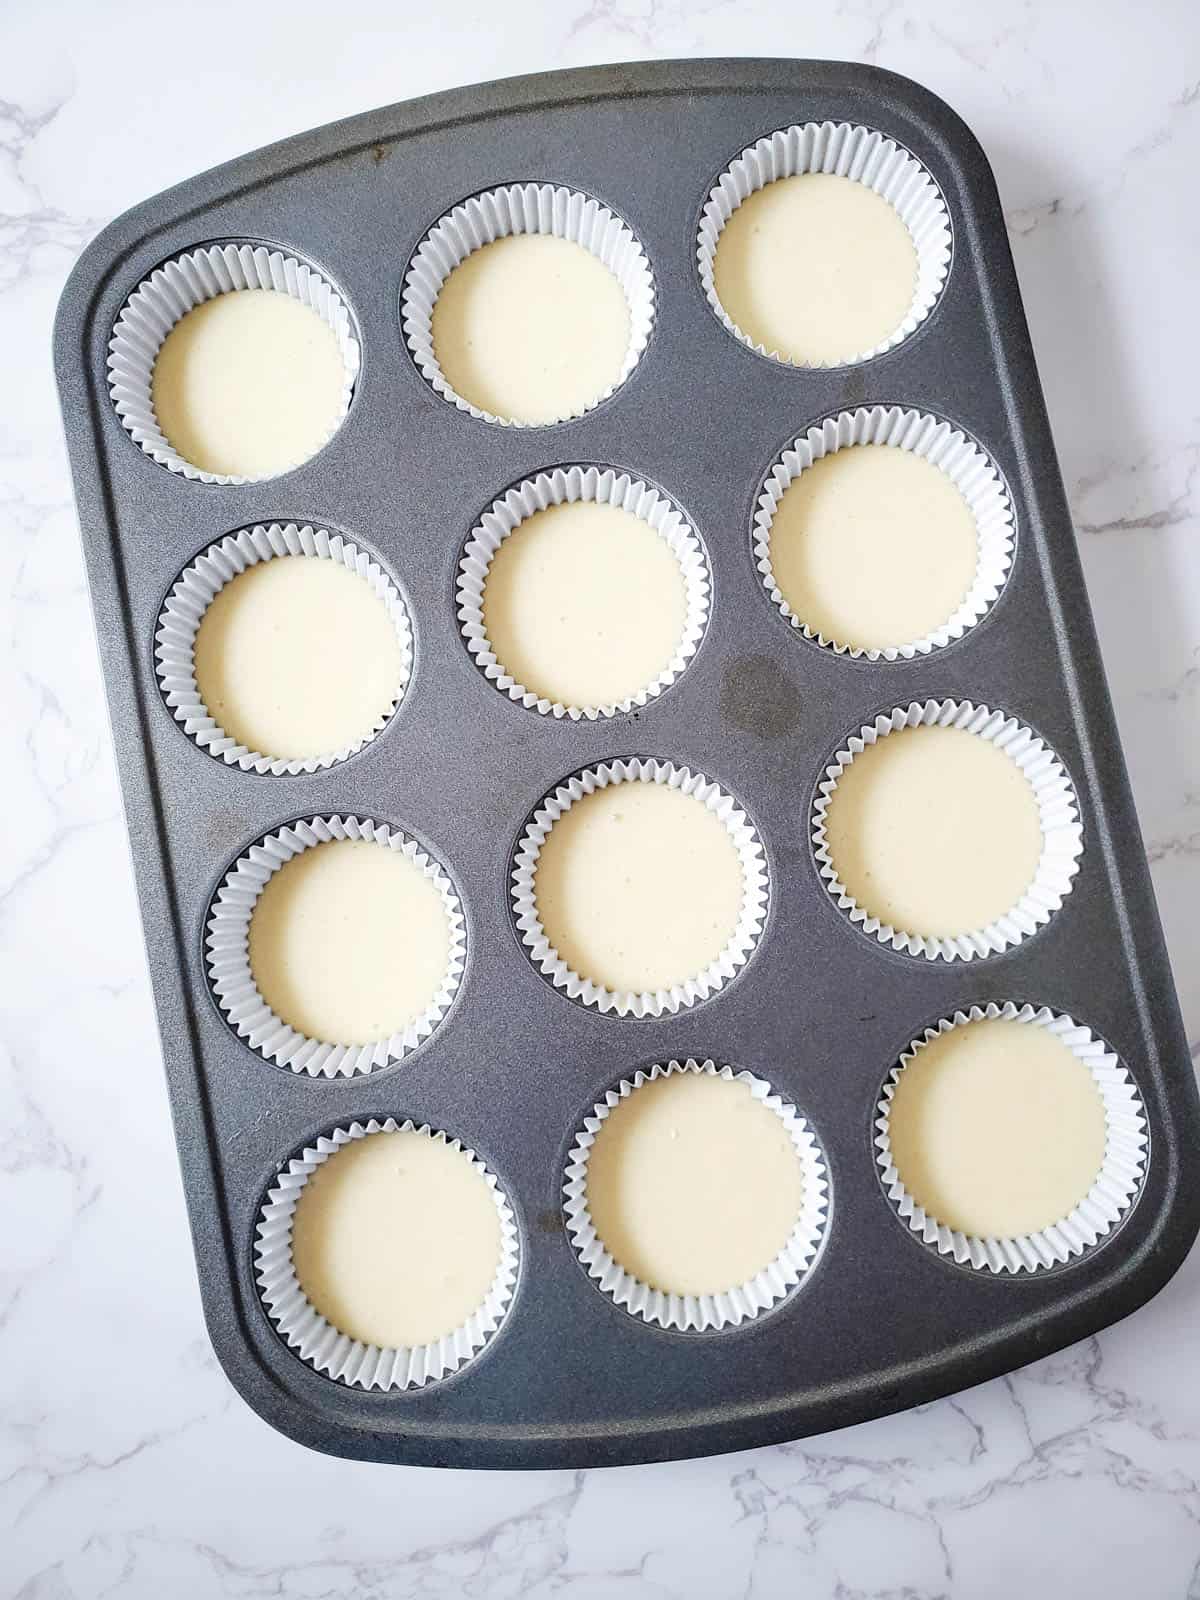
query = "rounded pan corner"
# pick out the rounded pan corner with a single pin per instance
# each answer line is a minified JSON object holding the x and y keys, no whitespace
{"x":938,"y":114}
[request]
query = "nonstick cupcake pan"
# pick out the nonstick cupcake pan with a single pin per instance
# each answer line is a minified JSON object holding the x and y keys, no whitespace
{"x":823,"y":1007}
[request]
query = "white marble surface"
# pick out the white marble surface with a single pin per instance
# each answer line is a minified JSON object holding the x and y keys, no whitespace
{"x":127,"y":1466}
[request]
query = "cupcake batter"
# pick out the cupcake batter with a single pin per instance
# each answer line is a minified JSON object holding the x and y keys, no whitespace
{"x":584,"y":604}
{"x":816,"y":268}
{"x":935,"y":831}
{"x":997,"y":1129}
{"x":248,"y":384}
{"x":396,"y":1239}
{"x":873,"y":547}
{"x":638,"y":887}
{"x":693,"y":1185}
{"x":531,"y":328}
{"x":297,"y":657}
{"x":349,"y":942}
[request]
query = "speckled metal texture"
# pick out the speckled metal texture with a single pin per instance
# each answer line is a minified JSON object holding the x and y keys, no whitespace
{"x":820,"y":1011}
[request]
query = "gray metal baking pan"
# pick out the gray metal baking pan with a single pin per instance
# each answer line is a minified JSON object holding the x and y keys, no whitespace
{"x":821,"y":1011}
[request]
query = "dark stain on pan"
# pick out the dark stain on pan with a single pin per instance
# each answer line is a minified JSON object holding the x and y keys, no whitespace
{"x":757,"y":697}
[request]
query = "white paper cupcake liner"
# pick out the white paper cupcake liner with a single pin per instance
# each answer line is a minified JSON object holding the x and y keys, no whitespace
{"x":973,"y":474}
{"x":848,"y":151}
{"x":731,"y":1307}
{"x":317,"y":1341}
{"x":177,"y":287}
{"x":1106,"y":1202}
{"x":228,"y":951}
{"x":646,"y":1002}
{"x":1062,"y":834}
{"x":572,"y":484}
{"x":497,"y":214}
{"x":192,"y":594}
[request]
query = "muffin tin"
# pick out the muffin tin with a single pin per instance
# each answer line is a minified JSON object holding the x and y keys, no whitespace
{"x":820,"y":1011}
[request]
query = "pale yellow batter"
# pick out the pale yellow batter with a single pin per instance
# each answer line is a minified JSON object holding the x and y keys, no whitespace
{"x":584,"y":604}
{"x":873,"y":547}
{"x":997,"y":1129}
{"x":248,"y":384}
{"x":396,"y":1239}
{"x":693,"y":1185}
{"x":638,"y":887}
{"x":816,"y":268}
{"x":934,"y":831}
{"x":349,"y":942}
{"x":297,"y":657}
{"x":531,"y":328}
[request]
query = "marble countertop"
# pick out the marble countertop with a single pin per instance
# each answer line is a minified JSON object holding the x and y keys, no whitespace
{"x":128,"y":1467}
